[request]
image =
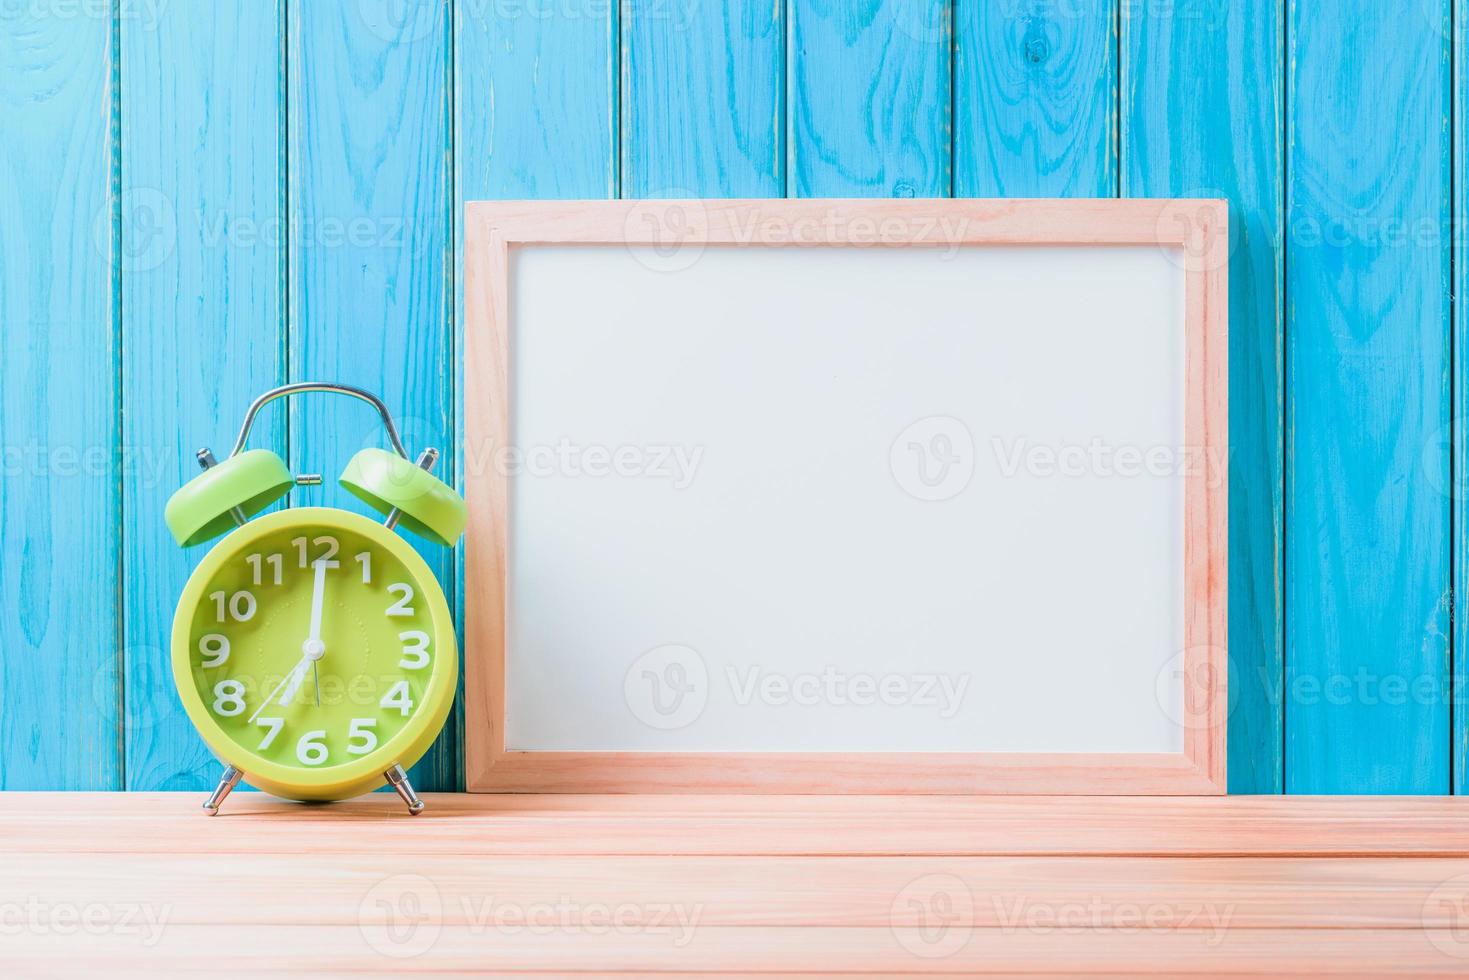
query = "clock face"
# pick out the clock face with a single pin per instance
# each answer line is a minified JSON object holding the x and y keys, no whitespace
{"x":315,"y":646}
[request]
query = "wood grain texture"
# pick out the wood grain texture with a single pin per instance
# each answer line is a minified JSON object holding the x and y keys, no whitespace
{"x":200,"y":95}
{"x":1458,"y":441}
{"x":1035,"y":98}
{"x":792,"y":884}
{"x":484,"y":826}
{"x":1367,"y":461}
{"x":702,"y":99}
{"x":515,"y":949}
{"x":535,"y":101}
{"x":60,"y":500}
{"x":535,"y":115}
{"x":369,"y":295}
{"x":493,"y":228}
{"x":697,"y":891}
{"x":868,"y":98}
{"x":1202,"y":116}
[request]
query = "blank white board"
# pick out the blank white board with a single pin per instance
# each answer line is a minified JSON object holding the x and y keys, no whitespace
{"x":845,"y":500}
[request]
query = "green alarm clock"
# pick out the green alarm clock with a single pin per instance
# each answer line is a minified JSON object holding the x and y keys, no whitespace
{"x":312,"y":647}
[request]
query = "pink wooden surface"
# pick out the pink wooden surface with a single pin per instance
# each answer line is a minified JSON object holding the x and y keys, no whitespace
{"x":144,"y":883}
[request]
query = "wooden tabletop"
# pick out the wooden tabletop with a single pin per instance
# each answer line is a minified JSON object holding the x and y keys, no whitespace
{"x":638,"y":884}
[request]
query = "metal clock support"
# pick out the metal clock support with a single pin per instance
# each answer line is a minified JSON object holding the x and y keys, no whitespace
{"x":395,"y":776}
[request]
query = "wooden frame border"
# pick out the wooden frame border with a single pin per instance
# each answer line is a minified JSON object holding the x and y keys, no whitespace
{"x":1197,"y":228}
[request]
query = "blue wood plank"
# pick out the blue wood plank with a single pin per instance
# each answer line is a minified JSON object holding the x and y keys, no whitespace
{"x":1035,"y":98}
{"x":535,"y":102}
{"x":702,"y":99}
{"x":868,"y":94}
{"x":1459,"y":437}
{"x":1367,"y":345}
{"x":201,"y":315}
{"x":1203,"y":102}
{"x":535,"y":115}
{"x":368,"y":284}
{"x":60,"y":663}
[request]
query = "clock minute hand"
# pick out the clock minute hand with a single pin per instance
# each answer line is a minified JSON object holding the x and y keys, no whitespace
{"x":318,"y":594}
{"x":313,"y":648}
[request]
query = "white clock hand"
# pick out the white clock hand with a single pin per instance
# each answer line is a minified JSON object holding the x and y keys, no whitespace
{"x":297,"y":676}
{"x":318,"y":593}
{"x":313,"y":646}
{"x":271,"y":697}
{"x":311,"y":651}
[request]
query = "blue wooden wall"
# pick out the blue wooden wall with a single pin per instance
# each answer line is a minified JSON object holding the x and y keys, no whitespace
{"x":200,"y":199}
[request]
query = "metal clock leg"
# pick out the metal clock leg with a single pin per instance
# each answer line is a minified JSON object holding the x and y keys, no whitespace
{"x":227,"y":782}
{"x":398,"y":779}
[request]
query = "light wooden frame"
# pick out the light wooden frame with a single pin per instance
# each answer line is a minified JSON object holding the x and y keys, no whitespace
{"x":1198,"y":228}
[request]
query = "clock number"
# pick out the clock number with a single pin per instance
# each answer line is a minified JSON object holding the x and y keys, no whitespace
{"x":397,"y":697}
{"x":329,"y":556}
{"x":275,"y":725}
{"x":415,"y":650}
{"x":241,"y":606}
{"x":365,"y":558}
{"x":325,"y":541}
{"x":214,"y":649}
{"x":311,"y":750}
{"x":362,"y":729}
{"x":229,"y":698}
{"x":404,"y":592}
{"x":256,"y":564}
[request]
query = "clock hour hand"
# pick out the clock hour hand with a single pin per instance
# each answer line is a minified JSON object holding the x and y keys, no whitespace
{"x":297,"y":676}
{"x":295,"y":671}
